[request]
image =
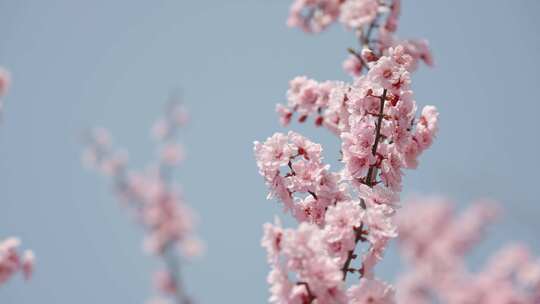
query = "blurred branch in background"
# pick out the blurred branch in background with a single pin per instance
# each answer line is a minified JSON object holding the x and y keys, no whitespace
{"x":435,"y":243}
{"x":153,"y":198}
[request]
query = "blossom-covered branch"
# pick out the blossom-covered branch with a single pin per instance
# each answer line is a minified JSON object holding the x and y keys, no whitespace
{"x":435,"y":242}
{"x":11,"y":261}
{"x":375,"y":118}
{"x":153,"y":198}
{"x":374,"y":23}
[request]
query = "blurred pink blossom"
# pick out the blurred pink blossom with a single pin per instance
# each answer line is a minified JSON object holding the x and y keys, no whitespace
{"x":5,"y":81}
{"x":11,"y":261}
{"x":435,"y":244}
{"x":154,"y":199}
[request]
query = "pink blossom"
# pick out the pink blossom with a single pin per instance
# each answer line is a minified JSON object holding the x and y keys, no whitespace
{"x":305,"y":254}
{"x":272,"y":240}
{"x":353,"y":66}
{"x":418,"y":50}
{"x":371,"y":291}
{"x":357,"y":146}
{"x":5,"y":81}
{"x":313,"y":15}
{"x":11,"y":261}
{"x":172,"y":154}
{"x":411,"y":289}
{"x":192,"y":247}
{"x":378,"y":219}
{"x":292,"y":167}
{"x":378,"y":195}
{"x":274,"y":153}
{"x":285,"y":114}
{"x":281,"y":289}
{"x":306,"y":97}
{"x":372,"y":256}
{"x":342,"y":222}
{"x":28,"y":262}
{"x":374,"y":118}
{"x":357,"y":13}
{"x":392,"y":20}
{"x":435,"y":243}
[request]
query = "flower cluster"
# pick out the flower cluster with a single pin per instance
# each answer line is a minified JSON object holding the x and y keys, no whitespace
{"x":314,"y":15}
{"x":375,"y":117}
{"x":362,"y":17}
{"x":435,"y":243}
{"x":379,"y":105}
{"x":153,"y":198}
{"x":11,"y":261}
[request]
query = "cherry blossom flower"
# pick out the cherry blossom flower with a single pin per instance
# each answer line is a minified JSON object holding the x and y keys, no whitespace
{"x":357,"y":13}
{"x":313,"y":15}
{"x":353,"y":65}
{"x":11,"y":261}
{"x":5,"y":81}
{"x":301,"y":250}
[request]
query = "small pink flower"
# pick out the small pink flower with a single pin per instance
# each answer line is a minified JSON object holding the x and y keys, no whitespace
{"x":285,"y":114}
{"x":353,"y":66}
{"x":12,"y":262}
{"x":5,"y":81}
{"x":313,"y":15}
{"x":371,"y":292}
{"x":28,"y":262}
{"x":272,"y":239}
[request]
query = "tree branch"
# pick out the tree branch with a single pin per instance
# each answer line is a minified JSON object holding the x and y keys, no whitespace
{"x":369,"y":182}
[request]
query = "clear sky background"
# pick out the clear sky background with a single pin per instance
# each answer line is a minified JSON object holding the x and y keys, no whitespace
{"x":77,"y":64}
